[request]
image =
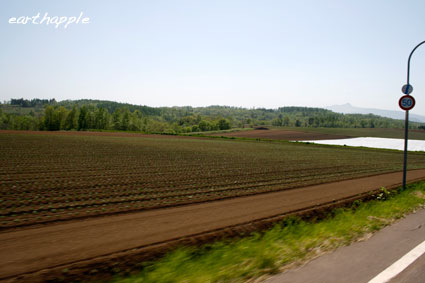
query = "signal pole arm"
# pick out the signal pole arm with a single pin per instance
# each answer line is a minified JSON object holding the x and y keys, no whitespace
{"x":408,"y":61}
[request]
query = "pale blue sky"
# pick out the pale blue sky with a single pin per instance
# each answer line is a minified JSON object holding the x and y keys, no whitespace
{"x":239,"y":53}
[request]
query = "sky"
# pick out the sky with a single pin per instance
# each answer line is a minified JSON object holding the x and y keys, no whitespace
{"x":225,"y":52}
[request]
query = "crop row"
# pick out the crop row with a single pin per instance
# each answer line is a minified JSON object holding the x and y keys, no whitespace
{"x":57,"y":177}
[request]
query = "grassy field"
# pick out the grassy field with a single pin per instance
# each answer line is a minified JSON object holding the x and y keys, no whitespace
{"x":291,"y":242}
{"x":53,"y":176}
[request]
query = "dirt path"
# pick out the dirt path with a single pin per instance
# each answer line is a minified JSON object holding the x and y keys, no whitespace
{"x":39,"y":252}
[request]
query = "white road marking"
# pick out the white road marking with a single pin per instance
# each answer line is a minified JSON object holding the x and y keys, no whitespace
{"x":401,"y":264}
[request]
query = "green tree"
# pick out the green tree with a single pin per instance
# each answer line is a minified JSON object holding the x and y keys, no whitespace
{"x":82,"y":119}
{"x":51,"y":119}
{"x":223,"y":124}
{"x":125,"y":120}
{"x":101,"y":118}
{"x":116,"y":120}
{"x":204,"y":126}
{"x":61,"y":114}
{"x":71,"y":121}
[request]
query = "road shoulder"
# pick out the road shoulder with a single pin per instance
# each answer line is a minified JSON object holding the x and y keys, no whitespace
{"x":362,"y":261}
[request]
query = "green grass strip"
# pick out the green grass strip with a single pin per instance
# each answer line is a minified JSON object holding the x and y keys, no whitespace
{"x":290,"y":242}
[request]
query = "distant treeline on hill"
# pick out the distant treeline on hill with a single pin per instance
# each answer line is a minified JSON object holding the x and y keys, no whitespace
{"x":108,"y":115}
{"x":31,"y":103}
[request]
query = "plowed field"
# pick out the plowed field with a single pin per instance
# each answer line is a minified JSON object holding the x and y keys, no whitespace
{"x":299,"y":134}
{"x":46,"y":177}
{"x":282,"y":135}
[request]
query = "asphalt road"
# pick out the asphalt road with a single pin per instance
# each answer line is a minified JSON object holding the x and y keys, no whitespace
{"x":415,"y":273}
{"x":363,"y":261}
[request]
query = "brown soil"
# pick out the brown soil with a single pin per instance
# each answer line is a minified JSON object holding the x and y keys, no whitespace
{"x":281,"y":135}
{"x":88,"y":133}
{"x":88,"y":248}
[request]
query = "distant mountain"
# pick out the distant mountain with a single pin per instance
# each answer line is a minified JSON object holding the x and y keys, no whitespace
{"x":350,"y":109}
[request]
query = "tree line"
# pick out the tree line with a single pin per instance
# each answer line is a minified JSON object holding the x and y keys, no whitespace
{"x":106,"y":115}
{"x":31,"y":103}
{"x":90,"y":117}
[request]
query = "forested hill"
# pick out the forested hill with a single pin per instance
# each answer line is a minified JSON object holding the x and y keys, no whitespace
{"x":43,"y":114}
{"x":110,"y":106}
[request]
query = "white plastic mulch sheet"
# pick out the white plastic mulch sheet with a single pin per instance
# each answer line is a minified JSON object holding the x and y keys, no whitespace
{"x":413,"y":145}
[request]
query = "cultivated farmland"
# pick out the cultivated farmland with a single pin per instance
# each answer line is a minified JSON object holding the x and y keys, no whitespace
{"x":277,"y":134}
{"x":47,"y":177}
{"x":310,"y":133}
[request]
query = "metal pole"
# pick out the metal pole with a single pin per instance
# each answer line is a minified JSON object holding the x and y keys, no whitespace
{"x":406,"y":133}
{"x":408,"y":61}
{"x":406,"y":125}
